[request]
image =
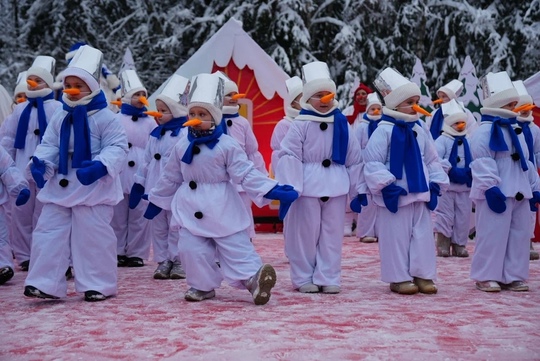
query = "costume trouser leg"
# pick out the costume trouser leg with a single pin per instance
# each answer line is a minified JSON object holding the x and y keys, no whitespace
{"x":6,"y":256}
{"x":247,"y":203}
{"x":502,"y":242}
{"x":131,"y":229}
{"x":314,"y":239}
{"x":462,"y":206}
{"x":365,"y":224}
{"x":158,"y":231}
{"x":406,"y":244}
{"x":23,"y":220}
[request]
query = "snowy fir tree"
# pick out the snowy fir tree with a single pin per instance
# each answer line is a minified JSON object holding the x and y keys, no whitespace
{"x":357,"y":38}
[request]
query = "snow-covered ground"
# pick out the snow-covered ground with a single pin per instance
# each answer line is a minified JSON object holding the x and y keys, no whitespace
{"x":149,"y":319}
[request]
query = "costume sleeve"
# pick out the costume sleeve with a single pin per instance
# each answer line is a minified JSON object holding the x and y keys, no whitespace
{"x":483,"y":167}
{"x":170,"y":180}
{"x":8,"y":132}
{"x":252,"y":151}
{"x":376,"y":174}
{"x":440,"y":145}
{"x":114,"y":147}
{"x":436,"y":172}
{"x":11,"y":176}
{"x":142,"y":171}
{"x":290,"y":169}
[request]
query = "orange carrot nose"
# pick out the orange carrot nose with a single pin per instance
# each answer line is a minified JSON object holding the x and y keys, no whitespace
{"x":72,"y":91}
{"x":421,"y":110}
{"x":238,"y":96}
{"x":437,"y":101}
{"x":154,"y":114}
{"x":32,"y":83}
{"x":524,"y":108}
{"x":376,"y":112}
{"x":144,"y":100}
{"x":118,"y":103}
{"x":20,"y":100}
{"x":192,"y":122}
{"x":461,"y":126}
{"x":327,"y":98}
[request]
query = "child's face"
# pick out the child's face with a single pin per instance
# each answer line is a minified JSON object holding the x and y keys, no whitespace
{"x":163,"y":109}
{"x":525,"y":113}
{"x":204,"y":115}
{"x":509,"y":106}
{"x":135,"y":99}
{"x":374,"y":109}
{"x":459,"y":126}
{"x":228,"y":99}
{"x":361,"y":97}
{"x":317,"y":104}
{"x":40,"y":83}
{"x":20,"y":98}
{"x":296,"y":102}
{"x":406,"y":106}
{"x":442,"y":96}
{"x":73,"y":82}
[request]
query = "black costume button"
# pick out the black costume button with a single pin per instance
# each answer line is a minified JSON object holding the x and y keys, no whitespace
{"x":192,"y":185}
{"x":519,"y":196}
{"x":131,"y":163}
{"x":415,"y":134}
{"x":326,"y":163}
{"x":157,"y":156}
{"x":518,"y":130}
{"x":325,"y":199}
{"x":63,"y":183}
{"x":515,"y":156}
{"x":229,"y":122}
{"x":458,"y":159}
{"x":130,"y":145}
{"x":459,"y":142}
{"x":134,"y":118}
{"x":36,"y":132}
{"x":198,"y":215}
{"x":196,"y":150}
{"x":163,"y":131}
{"x":323,"y":126}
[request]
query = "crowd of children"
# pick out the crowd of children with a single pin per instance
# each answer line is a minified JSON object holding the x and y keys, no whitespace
{"x":86,"y":188}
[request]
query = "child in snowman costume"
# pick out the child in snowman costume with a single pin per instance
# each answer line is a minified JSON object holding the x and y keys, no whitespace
{"x":505,"y":186}
{"x":451,"y":217}
{"x":21,"y":133}
{"x":171,"y":105}
{"x":365,"y":229}
{"x":196,"y":186}
{"x":319,"y":157}
{"x":77,"y":166}
{"x":405,"y":178}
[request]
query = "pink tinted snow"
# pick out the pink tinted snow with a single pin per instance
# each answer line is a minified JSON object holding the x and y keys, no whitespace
{"x":149,"y":319}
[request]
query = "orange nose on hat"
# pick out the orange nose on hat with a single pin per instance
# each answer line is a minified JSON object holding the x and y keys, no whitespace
{"x":20,"y":100}
{"x":327,"y":98}
{"x":154,"y":114}
{"x":143,"y":100}
{"x":32,"y":83}
{"x":72,"y":91}
{"x":118,"y":103}
{"x":524,"y":108}
{"x":193,"y":122}
{"x":460,"y":126}
{"x":238,"y":96}
{"x":437,"y":101}
{"x":421,"y":110}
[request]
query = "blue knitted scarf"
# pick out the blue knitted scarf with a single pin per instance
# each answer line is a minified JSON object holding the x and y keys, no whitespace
{"x":405,"y":153}
{"x":340,"y":141}
{"x":497,"y":142}
{"x":372,"y":124}
{"x":129,"y":109}
{"x":24,"y":120}
{"x":174,"y":125}
{"x":437,"y":121}
{"x":224,"y":123}
{"x":528,"y":139}
{"x":210,"y":140}
{"x":78,"y":118}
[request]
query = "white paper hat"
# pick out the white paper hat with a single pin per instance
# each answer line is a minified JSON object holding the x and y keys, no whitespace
{"x":43,"y":67}
{"x":86,"y":65}
{"x":21,"y":86}
{"x":174,"y":94}
{"x":524,"y":96}
{"x":130,"y":84}
{"x":452,"y":113}
{"x":230,"y":86}
{"x":498,"y":90}
{"x":395,"y":88}
{"x":453,"y":89}
{"x":294,"y":89}
{"x":373,"y":98}
{"x":207,"y":91}
{"x":316,"y":76}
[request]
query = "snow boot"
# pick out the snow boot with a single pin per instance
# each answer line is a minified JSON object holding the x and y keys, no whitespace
{"x":443,"y":245}
{"x":459,"y":251}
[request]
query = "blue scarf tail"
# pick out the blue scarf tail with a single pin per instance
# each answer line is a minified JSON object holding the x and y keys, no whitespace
{"x":405,"y":153}
{"x":340,"y":141}
{"x":497,"y":142}
{"x":24,"y":120}
{"x":78,"y":118}
{"x":467,"y":152}
{"x":528,"y":139}
{"x":174,"y":125}
{"x":210,"y":140}
{"x":372,"y":125}
{"x":129,"y":109}
{"x":436,"y":124}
